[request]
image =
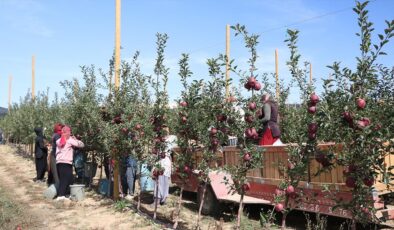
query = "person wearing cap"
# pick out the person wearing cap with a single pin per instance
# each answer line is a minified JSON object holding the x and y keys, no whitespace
{"x":270,"y":130}
{"x":64,"y":160}
{"x":40,"y":153}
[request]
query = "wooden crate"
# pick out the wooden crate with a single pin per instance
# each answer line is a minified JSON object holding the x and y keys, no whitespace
{"x":273,"y":156}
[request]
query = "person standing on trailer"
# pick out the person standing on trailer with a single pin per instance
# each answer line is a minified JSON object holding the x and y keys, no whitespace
{"x":270,"y":131}
{"x":64,"y":160}
{"x":40,"y":153}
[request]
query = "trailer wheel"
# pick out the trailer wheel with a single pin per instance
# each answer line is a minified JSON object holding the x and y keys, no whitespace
{"x":211,"y":204}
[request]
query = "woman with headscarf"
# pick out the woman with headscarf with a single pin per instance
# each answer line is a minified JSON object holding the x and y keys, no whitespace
{"x":64,"y":160}
{"x":53,"y":177}
{"x":269,"y":118}
{"x":40,"y":153}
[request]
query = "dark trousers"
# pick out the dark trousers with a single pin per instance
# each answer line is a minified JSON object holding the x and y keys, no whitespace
{"x":53,"y":177}
{"x":65,"y":172}
{"x":41,"y":167}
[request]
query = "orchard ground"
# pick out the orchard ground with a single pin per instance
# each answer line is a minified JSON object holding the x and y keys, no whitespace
{"x":22,"y":204}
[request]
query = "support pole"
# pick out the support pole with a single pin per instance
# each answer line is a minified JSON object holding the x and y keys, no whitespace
{"x":228,"y":59}
{"x":33,"y":77}
{"x":117,"y":81}
{"x":310,"y":74}
{"x":277,"y":75}
{"x":9,"y":92}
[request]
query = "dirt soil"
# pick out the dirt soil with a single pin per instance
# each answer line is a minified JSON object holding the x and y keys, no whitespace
{"x":30,"y":210}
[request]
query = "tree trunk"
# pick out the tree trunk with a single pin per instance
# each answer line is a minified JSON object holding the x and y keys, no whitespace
{"x":178,"y":210}
{"x":284,"y":216}
{"x":354,"y":224}
{"x":283,"y":226}
{"x":139,"y":192}
{"x":201,"y":204}
{"x":155,"y":197}
{"x":240,"y":210}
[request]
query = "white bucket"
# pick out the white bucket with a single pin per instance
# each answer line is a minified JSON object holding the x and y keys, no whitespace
{"x":77,"y":192}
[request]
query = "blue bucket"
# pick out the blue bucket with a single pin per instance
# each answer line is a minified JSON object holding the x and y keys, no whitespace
{"x":147,"y":184}
{"x":104,"y":187}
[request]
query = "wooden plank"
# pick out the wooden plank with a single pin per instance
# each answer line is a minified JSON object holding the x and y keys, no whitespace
{"x":276,"y":165}
{"x":314,"y":169}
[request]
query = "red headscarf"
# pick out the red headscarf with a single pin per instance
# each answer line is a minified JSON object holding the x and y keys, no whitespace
{"x":66,"y":133}
{"x":57,"y":128}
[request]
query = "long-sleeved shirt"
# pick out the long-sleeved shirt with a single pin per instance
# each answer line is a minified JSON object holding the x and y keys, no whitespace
{"x":66,"y":154}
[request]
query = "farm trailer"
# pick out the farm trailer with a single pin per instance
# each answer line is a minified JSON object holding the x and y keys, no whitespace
{"x":265,"y":180}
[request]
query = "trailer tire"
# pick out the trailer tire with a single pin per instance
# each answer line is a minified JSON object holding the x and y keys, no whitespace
{"x":211,"y":204}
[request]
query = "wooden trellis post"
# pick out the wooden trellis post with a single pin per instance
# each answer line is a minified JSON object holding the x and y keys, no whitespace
{"x":310,"y":74}
{"x":277,"y":75}
{"x":33,"y":77}
{"x":228,"y":59}
{"x":117,"y":81}
{"x":9,"y":92}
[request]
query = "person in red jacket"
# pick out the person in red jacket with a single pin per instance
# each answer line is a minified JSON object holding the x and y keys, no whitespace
{"x":270,"y":131}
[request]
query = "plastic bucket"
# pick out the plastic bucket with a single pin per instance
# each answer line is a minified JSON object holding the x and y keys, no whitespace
{"x":104,"y":187}
{"x":77,"y":192}
{"x":50,"y":192}
{"x":147,"y":184}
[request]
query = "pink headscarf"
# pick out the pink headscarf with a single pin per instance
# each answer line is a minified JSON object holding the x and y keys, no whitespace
{"x":58,"y":128}
{"x":66,"y":133}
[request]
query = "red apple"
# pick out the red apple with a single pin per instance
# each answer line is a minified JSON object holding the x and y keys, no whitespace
{"x":183,"y":103}
{"x":312,"y":136}
{"x":224,"y":130}
{"x":290,"y":189}
{"x":312,"y":109}
{"x":312,"y":128}
{"x":184,"y":119}
{"x":290,"y":165}
{"x":279,"y":207}
{"x":155,"y":173}
{"x":257,"y":86}
{"x":279,"y":192}
{"x":215,"y":142}
{"x":369,"y":181}
{"x":350,"y":182}
{"x":247,"y":86}
{"x":252,"y":80}
{"x":186,"y":169}
{"x":246,"y":187}
{"x":247,"y":157}
{"x":363,"y":122}
{"x":347,"y":116}
{"x":214,"y":131}
{"x":248,"y":132}
{"x":252,"y":106}
{"x":125,"y":131}
{"x":221,"y":117}
{"x":249,"y":118}
{"x":314,"y":99}
{"x":138,"y":126}
{"x":360,"y":103}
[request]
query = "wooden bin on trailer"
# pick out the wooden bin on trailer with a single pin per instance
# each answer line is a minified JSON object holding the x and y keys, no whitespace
{"x":265,"y":180}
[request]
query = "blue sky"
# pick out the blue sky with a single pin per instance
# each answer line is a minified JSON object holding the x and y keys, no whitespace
{"x":66,"y":34}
